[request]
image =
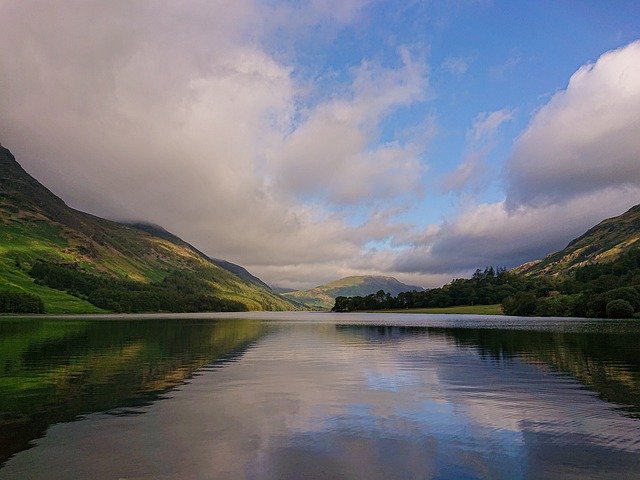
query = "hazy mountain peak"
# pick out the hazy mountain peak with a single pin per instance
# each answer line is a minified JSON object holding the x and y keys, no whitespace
{"x":323,"y":296}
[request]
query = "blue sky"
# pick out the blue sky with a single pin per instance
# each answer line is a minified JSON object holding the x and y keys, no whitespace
{"x":318,"y":139}
{"x":482,"y":57}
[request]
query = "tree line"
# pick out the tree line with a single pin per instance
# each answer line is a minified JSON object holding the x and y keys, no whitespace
{"x":12,"y":301}
{"x":178,"y":292}
{"x":485,"y":287}
{"x":599,"y":291}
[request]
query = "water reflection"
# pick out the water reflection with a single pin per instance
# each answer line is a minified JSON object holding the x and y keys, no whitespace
{"x":53,"y":371}
{"x":318,"y":400}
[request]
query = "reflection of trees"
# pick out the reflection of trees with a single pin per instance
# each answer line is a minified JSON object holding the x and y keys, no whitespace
{"x":53,"y":371}
{"x":607,"y":363}
{"x":606,"y":359}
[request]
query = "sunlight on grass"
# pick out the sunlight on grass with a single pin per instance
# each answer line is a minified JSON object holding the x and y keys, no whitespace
{"x":462,"y":309}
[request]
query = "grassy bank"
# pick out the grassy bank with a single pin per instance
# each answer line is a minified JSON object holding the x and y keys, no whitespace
{"x":462,"y":309}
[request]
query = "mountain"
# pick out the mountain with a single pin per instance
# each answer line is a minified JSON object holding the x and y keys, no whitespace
{"x":84,"y":263}
{"x":324,"y":296}
{"x":241,"y":272}
{"x":237,"y":270}
{"x":603,"y":243}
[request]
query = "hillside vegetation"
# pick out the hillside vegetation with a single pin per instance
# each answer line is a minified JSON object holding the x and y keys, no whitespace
{"x":601,"y":244}
{"x":597,"y":275}
{"x":39,"y":231}
{"x":323,"y":296}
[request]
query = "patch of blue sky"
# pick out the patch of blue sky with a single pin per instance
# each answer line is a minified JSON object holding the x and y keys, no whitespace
{"x":480,"y":57}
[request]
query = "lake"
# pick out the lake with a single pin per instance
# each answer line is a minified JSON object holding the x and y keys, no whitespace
{"x":318,"y":396}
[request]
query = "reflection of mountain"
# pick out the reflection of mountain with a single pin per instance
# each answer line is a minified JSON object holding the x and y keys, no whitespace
{"x":357,"y":401}
{"x":606,"y":362}
{"x":53,"y":371}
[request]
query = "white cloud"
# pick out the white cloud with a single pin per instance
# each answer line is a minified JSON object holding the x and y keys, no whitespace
{"x":329,"y":155}
{"x":473,"y":169}
{"x":181,"y":117}
{"x":178,"y":116}
{"x":586,"y":138}
{"x":491,"y":234}
{"x":577,"y":163}
{"x":487,"y":124}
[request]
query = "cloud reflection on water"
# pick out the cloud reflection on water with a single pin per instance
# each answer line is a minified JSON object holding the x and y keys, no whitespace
{"x":355,"y":402}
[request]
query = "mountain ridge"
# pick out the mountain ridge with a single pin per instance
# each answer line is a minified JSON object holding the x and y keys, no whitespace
{"x":36,"y":226}
{"x":602,"y":243}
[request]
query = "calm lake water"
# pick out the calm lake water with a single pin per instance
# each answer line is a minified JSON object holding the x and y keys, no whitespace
{"x":311,"y":395}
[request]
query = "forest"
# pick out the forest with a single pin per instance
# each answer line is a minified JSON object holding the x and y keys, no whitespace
{"x":605,"y":290}
{"x":178,"y":292}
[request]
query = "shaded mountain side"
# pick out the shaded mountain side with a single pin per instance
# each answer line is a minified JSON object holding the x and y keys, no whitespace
{"x":242,"y":272}
{"x":281,"y":290}
{"x":37,"y":226}
{"x":603,"y":243}
{"x":324,"y":296}
{"x":158,"y":231}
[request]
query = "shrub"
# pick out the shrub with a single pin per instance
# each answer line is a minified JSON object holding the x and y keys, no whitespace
{"x":557,"y":306}
{"x":619,"y":309}
{"x":522,"y":304}
{"x":20,"y":302}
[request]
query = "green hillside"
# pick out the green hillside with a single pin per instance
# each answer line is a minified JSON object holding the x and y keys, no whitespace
{"x":75,"y":251}
{"x":601,"y":244}
{"x":324,"y":296}
{"x":597,"y":275}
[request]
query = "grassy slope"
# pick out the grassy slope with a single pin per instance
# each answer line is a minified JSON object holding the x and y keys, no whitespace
{"x":35,"y":224}
{"x":324,"y":296}
{"x":602,"y":243}
{"x":20,"y":243}
{"x":463,"y":309}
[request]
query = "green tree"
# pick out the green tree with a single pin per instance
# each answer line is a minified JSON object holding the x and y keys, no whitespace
{"x":619,"y":309}
{"x":523,"y":304}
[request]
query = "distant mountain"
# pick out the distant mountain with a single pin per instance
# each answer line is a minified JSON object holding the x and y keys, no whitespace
{"x":324,"y":296}
{"x":602,"y":243}
{"x":77,"y":262}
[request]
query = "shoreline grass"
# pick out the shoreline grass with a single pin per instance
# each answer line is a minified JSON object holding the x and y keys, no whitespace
{"x":461,"y":309}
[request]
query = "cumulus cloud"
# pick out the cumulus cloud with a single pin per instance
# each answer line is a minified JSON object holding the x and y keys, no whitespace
{"x":329,"y":154}
{"x":577,"y":163}
{"x":473,"y":168}
{"x":586,"y":138}
{"x":156,"y":112}
{"x":492,"y":234}
{"x":182,"y":116}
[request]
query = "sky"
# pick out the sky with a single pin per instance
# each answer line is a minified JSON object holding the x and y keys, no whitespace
{"x":311,"y":140}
